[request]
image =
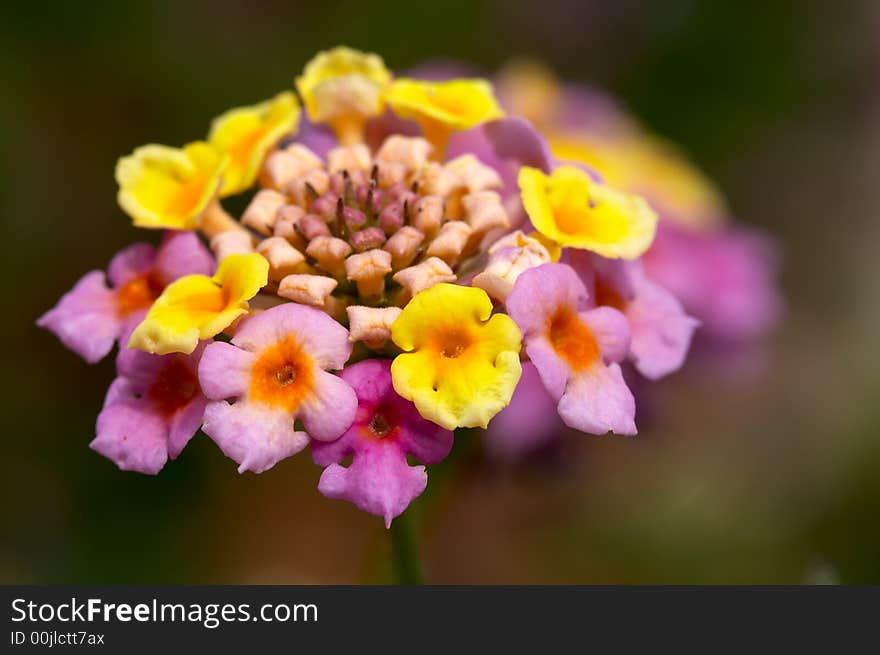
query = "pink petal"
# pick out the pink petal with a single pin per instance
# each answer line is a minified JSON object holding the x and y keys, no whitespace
{"x":539,"y":292}
{"x":85,"y":319}
{"x":554,"y":371}
{"x":610,"y":330}
{"x":253,"y":435}
{"x":129,"y":433}
{"x":224,"y":371}
{"x":136,"y":259}
{"x":182,"y":253}
{"x":661,"y":331}
{"x":598,"y":401}
{"x":184,"y":424}
{"x":378,"y":481}
{"x":330,"y":410}
{"x":325,"y":340}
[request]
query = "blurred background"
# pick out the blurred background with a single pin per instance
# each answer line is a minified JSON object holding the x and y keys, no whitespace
{"x":769,"y":478}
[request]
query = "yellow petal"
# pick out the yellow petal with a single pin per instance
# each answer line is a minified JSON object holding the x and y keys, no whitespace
{"x":342,"y":87}
{"x":457,"y":104}
{"x":246,"y":134}
{"x":444,"y":107}
{"x":573,"y":210}
{"x":463,"y":365}
{"x":164,"y":187}
{"x":198,"y":307}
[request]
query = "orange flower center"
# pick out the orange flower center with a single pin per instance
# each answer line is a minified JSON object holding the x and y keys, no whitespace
{"x":453,"y":343}
{"x":282,"y":376}
{"x":138,"y":293}
{"x":572,"y":339}
{"x":174,"y":388}
{"x":608,"y":297}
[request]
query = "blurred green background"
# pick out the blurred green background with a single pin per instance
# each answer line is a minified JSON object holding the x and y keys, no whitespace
{"x":773,"y":479}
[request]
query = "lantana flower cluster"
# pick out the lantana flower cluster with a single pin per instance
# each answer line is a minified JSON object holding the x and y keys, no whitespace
{"x":410,"y":256}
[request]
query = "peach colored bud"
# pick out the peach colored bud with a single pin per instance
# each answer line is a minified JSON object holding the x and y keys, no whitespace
{"x":283,"y":258}
{"x":507,"y":263}
{"x":425,"y":275}
{"x":311,"y":290}
{"x":372,"y":325}
{"x":306,"y":189}
{"x":450,"y":242}
{"x":232,"y":242}
{"x":427,"y":214}
{"x":483,"y":212}
{"x":282,"y":166}
{"x":260,"y":215}
{"x":516,"y":239}
{"x":368,"y":269}
{"x":473,"y":174}
{"x":436,"y":179}
{"x":350,"y":158}
{"x":391,"y":173}
{"x":285,"y":225}
{"x":403,"y":246}
{"x":330,"y":253}
{"x":410,"y":151}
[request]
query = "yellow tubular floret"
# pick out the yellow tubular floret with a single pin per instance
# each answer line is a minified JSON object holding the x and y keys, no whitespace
{"x":165,"y":187}
{"x":444,"y":107}
{"x":462,"y":364}
{"x":343,"y":87}
{"x":571,"y":209}
{"x":198,"y":307}
{"x":246,"y":134}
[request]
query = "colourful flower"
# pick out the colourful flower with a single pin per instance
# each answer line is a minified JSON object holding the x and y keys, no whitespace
{"x":460,"y":364}
{"x":441,"y":108}
{"x":343,"y":87}
{"x":275,"y":370}
{"x":570,"y":208}
{"x":90,"y":317}
{"x":575,"y":349}
{"x":199,"y":307}
{"x":661,"y":330}
{"x":152,"y":409}
{"x":164,"y":187}
{"x":246,"y":134}
{"x":386,"y":430}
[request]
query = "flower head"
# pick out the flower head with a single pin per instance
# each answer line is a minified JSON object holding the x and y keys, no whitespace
{"x":246,"y":134}
{"x":460,"y":364}
{"x":343,"y":87}
{"x":573,"y":210}
{"x":441,"y":108}
{"x":153,"y":408}
{"x":275,"y":369}
{"x":575,"y":349}
{"x":199,"y":307}
{"x":91,"y":317}
{"x":164,"y":187}
{"x":386,"y":429}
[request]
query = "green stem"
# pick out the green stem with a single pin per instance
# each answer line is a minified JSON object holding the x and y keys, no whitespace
{"x":405,"y":566}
